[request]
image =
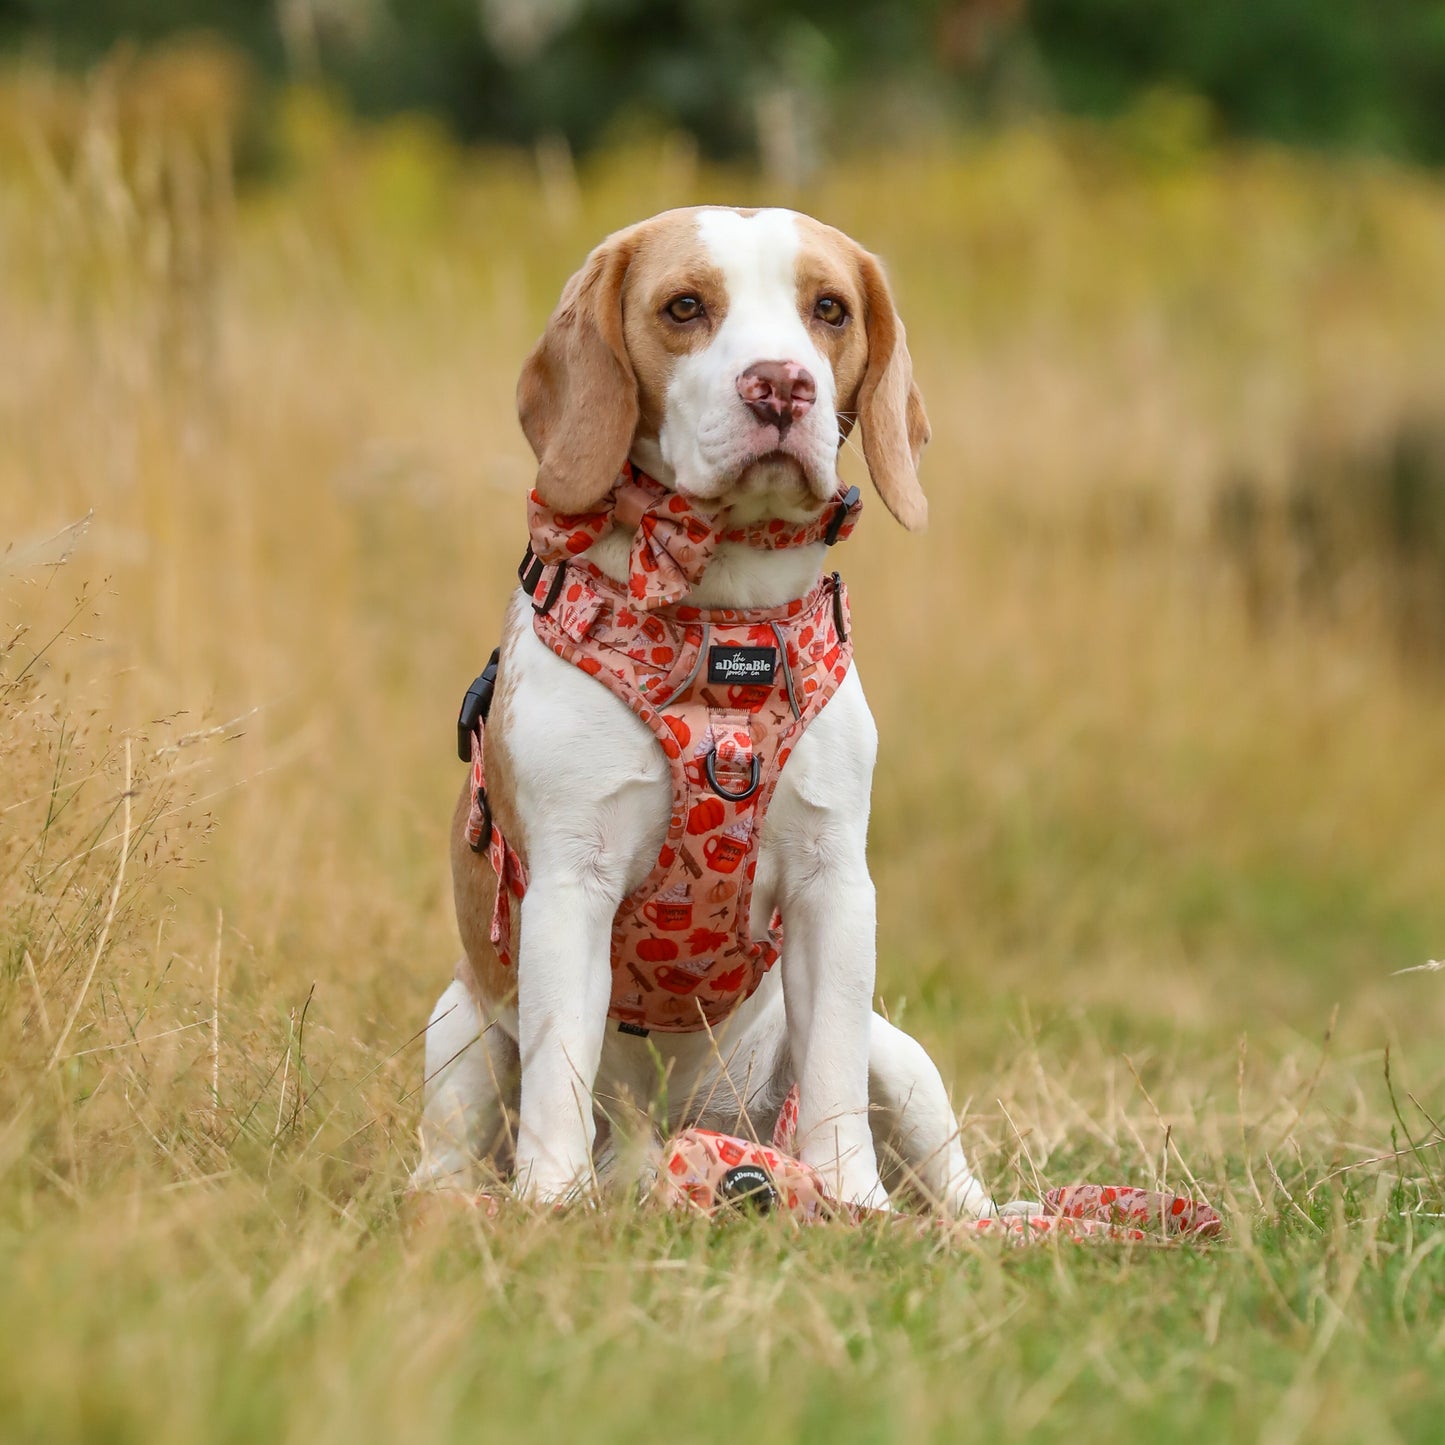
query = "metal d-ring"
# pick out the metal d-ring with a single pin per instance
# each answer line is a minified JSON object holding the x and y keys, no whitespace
{"x":710,"y":767}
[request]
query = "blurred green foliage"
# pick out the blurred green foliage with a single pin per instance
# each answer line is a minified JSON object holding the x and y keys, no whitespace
{"x":1358,"y":74}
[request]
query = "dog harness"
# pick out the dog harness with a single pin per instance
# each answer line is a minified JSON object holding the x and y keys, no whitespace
{"x":726,"y":692}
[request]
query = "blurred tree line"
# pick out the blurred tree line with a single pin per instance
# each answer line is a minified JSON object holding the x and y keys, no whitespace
{"x":790,"y":79}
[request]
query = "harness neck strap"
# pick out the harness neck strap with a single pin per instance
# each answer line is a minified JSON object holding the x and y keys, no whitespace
{"x":673,"y":542}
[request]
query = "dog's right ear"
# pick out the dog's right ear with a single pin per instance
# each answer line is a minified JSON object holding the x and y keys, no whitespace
{"x":577,"y":395}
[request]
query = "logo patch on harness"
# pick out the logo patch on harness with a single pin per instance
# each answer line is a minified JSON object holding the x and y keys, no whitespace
{"x":742,"y":666}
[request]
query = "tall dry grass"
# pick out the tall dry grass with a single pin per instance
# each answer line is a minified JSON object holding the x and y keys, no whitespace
{"x":1159,"y":796}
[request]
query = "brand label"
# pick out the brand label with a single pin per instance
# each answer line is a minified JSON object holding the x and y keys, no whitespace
{"x":742,"y":666}
{"x":748,"y":1186}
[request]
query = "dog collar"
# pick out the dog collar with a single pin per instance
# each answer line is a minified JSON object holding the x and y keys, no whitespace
{"x":673,"y":542}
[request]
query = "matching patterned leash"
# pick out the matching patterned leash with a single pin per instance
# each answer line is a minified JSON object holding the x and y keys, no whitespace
{"x":713,"y":1174}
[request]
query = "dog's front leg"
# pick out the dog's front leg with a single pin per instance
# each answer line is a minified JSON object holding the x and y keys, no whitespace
{"x":563,"y":984}
{"x":815,"y":866}
{"x":829,"y":918}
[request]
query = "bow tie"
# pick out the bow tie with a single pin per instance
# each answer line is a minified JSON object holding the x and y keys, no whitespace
{"x":672,"y":542}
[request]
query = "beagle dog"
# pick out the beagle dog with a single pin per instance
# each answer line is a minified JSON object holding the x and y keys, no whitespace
{"x":725,"y":354}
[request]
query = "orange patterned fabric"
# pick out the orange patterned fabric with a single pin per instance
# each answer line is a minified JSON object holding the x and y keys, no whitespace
{"x":727,"y":693}
{"x":483,"y":834}
{"x":672,"y":541}
{"x":708,"y":1173}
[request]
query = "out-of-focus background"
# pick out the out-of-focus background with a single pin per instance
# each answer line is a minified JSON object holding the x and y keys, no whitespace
{"x":1160,"y":807}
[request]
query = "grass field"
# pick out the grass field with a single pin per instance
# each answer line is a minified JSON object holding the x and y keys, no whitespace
{"x":1156,"y":821}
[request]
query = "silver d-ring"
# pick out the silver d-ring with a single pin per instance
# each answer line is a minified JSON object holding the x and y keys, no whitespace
{"x":710,"y":767}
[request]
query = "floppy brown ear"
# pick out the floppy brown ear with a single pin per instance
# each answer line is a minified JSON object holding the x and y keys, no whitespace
{"x":890,"y":408}
{"x":577,"y":395}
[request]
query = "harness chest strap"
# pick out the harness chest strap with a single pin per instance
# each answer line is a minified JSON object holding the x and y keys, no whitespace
{"x":726,"y":692}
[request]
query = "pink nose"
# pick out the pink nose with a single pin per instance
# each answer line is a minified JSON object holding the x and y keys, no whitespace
{"x":777,"y":392}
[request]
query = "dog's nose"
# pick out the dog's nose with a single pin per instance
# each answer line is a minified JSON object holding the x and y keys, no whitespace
{"x":777,"y":392}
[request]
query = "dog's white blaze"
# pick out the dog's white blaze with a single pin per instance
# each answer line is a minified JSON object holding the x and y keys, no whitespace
{"x":758,"y":256}
{"x":707,"y":434}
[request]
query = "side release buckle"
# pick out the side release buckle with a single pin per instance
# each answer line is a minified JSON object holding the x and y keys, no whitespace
{"x":476,"y":705}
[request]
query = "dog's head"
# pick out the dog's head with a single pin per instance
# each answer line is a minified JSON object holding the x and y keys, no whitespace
{"x":728,"y":353}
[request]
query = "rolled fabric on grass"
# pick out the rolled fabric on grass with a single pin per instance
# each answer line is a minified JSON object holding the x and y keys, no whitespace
{"x":717,"y":1174}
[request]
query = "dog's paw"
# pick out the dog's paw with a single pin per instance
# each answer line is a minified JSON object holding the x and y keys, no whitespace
{"x":1020,"y":1209}
{"x":1013,"y":1209}
{"x":543,"y":1194}
{"x":424,"y":1209}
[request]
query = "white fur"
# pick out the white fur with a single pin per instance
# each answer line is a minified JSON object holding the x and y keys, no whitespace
{"x":707,"y":437}
{"x":594,"y":791}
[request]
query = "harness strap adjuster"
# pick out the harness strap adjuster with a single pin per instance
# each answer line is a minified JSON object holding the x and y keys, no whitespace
{"x":484,"y":833}
{"x":530,"y":573}
{"x":543,"y":607}
{"x":846,"y":503}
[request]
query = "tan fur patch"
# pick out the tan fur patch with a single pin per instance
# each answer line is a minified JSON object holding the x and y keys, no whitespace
{"x":872,"y":366}
{"x":829,"y":265}
{"x":668,"y":260}
{"x":474,"y":881}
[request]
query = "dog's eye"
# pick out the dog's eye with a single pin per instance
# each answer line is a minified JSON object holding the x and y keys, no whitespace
{"x":830,"y":310}
{"x":684,"y":308}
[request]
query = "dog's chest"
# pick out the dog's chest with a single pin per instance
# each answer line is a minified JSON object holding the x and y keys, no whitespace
{"x":593,"y":789}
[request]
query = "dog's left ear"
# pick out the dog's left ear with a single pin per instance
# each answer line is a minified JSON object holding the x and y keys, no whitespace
{"x":890,"y":407}
{"x":577,"y":395}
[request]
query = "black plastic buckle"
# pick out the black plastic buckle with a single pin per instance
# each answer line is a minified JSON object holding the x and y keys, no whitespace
{"x":553,"y":592}
{"x":529,"y":574}
{"x":846,"y":503}
{"x":710,"y":768}
{"x":476,"y":705}
{"x":838,"y":624}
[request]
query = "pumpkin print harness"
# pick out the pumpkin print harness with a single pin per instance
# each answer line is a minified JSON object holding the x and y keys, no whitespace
{"x":727,"y":693}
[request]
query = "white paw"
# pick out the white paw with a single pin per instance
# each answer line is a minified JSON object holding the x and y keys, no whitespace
{"x":850,"y":1180}
{"x":450,"y":1170}
{"x":1020,"y":1208}
{"x":541,"y":1190}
